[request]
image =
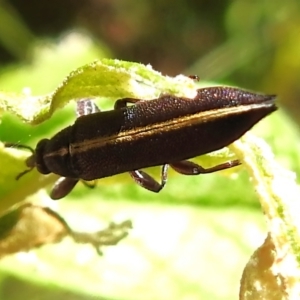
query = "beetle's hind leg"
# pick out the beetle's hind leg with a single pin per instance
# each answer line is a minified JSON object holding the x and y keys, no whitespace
{"x":148,"y":182}
{"x":186,"y":167}
{"x":86,"y":107}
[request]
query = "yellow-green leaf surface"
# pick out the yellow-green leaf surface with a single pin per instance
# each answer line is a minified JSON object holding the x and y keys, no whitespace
{"x":279,"y":196}
{"x":174,"y":251}
{"x":103,"y":78}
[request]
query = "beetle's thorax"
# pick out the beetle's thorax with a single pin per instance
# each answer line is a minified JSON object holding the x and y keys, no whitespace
{"x":38,"y":157}
{"x":53,"y":155}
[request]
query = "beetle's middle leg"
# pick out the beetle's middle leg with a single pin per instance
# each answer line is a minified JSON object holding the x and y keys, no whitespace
{"x":140,"y":177}
{"x":148,"y":182}
{"x":86,"y":107}
{"x":186,"y":167}
{"x":124,"y":102}
{"x":63,"y":186}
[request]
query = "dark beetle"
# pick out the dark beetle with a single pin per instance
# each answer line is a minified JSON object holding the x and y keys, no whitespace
{"x":164,"y":131}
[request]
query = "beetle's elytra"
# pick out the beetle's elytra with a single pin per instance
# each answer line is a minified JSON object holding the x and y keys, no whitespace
{"x":164,"y":131}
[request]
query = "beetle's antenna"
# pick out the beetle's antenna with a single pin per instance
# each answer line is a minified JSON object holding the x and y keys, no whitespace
{"x":22,"y":173}
{"x":29,"y":159}
{"x":18,"y":146}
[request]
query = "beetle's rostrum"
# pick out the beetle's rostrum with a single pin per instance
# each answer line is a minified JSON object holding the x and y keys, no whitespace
{"x":164,"y":131}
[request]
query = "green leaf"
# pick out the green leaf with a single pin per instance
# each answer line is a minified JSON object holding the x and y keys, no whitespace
{"x":279,"y":196}
{"x":104,"y":78}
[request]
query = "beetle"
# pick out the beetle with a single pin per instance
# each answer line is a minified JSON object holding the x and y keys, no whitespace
{"x":166,"y":131}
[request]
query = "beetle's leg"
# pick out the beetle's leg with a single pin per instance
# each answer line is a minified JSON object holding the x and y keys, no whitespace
{"x":62,"y":187}
{"x":140,"y":177}
{"x":86,"y":107}
{"x":186,"y":167}
{"x":148,"y":182}
{"x":123,"y":102}
{"x":18,"y":146}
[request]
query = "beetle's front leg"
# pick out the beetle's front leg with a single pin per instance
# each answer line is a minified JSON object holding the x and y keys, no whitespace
{"x":186,"y":167}
{"x":148,"y":182}
{"x":62,"y":187}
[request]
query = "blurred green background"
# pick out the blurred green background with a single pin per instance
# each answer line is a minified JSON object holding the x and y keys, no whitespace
{"x":192,"y":240}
